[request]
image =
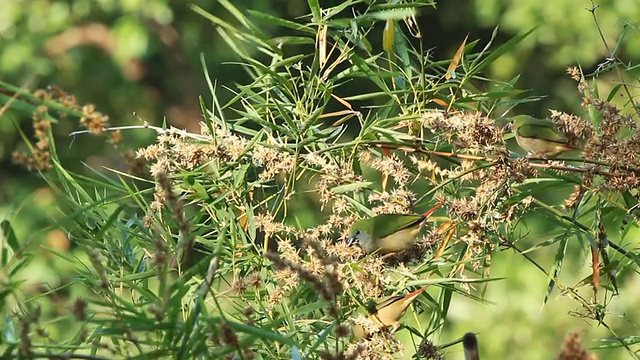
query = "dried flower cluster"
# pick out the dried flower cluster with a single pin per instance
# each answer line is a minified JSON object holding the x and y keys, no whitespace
{"x":572,"y":126}
{"x":165,"y":195}
{"x":331,"y":175}
{"x":472,"y":132}
{"x":53,"y":98}
{"x":381,"y":346}
{"x":97,"y":262}
{"x":390,"y":166}
{"x":173,"y":152}
{"x":322,"y":272}
{"x":615,"y":142}
{"x":573,"y":349}
{"x":321,"y":255}
{"x":273,"y":161}
{"x":428,"y":350}
{"x":40,"y":158}
{"x":93,"y":120}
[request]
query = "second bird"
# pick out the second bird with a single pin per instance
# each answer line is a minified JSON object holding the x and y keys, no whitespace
{"x":540,"y":137}
{"x":388,"y":233}
{"x":387,"y":312}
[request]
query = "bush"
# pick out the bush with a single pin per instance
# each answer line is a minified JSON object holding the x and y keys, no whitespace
{"x":234,"y":246}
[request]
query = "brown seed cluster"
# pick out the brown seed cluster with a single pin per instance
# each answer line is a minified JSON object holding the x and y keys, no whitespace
{"x":472,"y":132}
{"x":390,"y":166}
{"x":576,"y":194}
{"x":93,"y":120}
{"x":272,"y":161}
{"x":80,"y":309}
{"x":330,"y":176}
{"x":381,"y":345}
{"x":428,"y":350}
{"x":322,"y":272}
{"x":614,"y":142}
{"x":53,"y":99}
{"x":40,"y":158}
{"x":173,"y":152}
{"x":572,"y":126}
{"x":573,"y":349}
{"x":97,"y":261}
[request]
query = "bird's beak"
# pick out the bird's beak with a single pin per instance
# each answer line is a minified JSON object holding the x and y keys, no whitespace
{"x":353,"y":239}
{"x":508,"y":127}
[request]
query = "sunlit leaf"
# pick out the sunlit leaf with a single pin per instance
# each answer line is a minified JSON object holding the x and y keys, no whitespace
{"x":451,"y":71}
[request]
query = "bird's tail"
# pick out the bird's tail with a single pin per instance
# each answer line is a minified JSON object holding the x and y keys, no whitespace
{"x":470,"y":344}
{"x":430,"y":211}
{"x":412,"y":295}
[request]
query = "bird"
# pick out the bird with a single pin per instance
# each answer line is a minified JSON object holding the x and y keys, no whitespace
{"x":540,"y":137}
{"x":470,"y":344}
{"x":386,"y":312}
{"x":388,"y":233}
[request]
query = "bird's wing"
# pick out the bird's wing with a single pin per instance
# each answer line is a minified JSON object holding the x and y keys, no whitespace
{"x":545,"y":131}
{"x":386,"y":301}
{"x":387,"y":224}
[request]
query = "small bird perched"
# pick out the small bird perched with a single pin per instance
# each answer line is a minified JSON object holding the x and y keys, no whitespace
{"x":388,"y":233}
{"x":540,"y":137}
{"x":470,"y":344}
{"x":386,"y":312}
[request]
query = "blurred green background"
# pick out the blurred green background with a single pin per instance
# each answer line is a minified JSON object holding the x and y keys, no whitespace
{"x":143,"y":57}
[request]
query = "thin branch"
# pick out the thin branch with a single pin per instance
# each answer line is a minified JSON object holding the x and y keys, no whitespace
{"x":592,"y":10}
{"x":629,"y":255}
{"x":584,"y":170}
{"x":67,"y":356}
{"x":157,"y":129}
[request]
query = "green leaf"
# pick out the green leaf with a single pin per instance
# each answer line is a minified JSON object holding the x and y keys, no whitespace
{"x":505,"y":48}
{"x":341,"y":189}
{"x":9,"y":334}
{"x":273,"y":20}
{"x":314,"y":5}
{"x":9,"y":236}
{"x":394,"y":14}
{"x":613,"y":92}
{"x":557,"y":267}
{"x":260,"y":333}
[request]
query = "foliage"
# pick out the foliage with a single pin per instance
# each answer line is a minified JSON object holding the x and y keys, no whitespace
{"x":212,"y":254}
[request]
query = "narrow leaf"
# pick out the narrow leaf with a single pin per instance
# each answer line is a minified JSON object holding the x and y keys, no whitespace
{"x":557,"y":267}
{"x":506,"y":47}
{"x":388,"y":36}
{"x":595,"y":267}
{"x":456,"y":60}
{"x":351,"y":187}
{"x":9,"y":235}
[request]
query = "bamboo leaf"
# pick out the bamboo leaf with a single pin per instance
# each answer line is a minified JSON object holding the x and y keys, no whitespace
{"x":456,"y":60}
{"x":557,"y":267}
{"x":506,"y":47}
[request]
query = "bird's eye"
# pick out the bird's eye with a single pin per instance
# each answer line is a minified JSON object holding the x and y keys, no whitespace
{"x":357,"y":232}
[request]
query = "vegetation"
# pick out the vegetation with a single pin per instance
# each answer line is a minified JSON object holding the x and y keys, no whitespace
{"x":230,"y":241}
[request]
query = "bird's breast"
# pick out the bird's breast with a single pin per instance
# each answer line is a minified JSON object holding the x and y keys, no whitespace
{"x":541,"y":146}
{"x":399,"y":240}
